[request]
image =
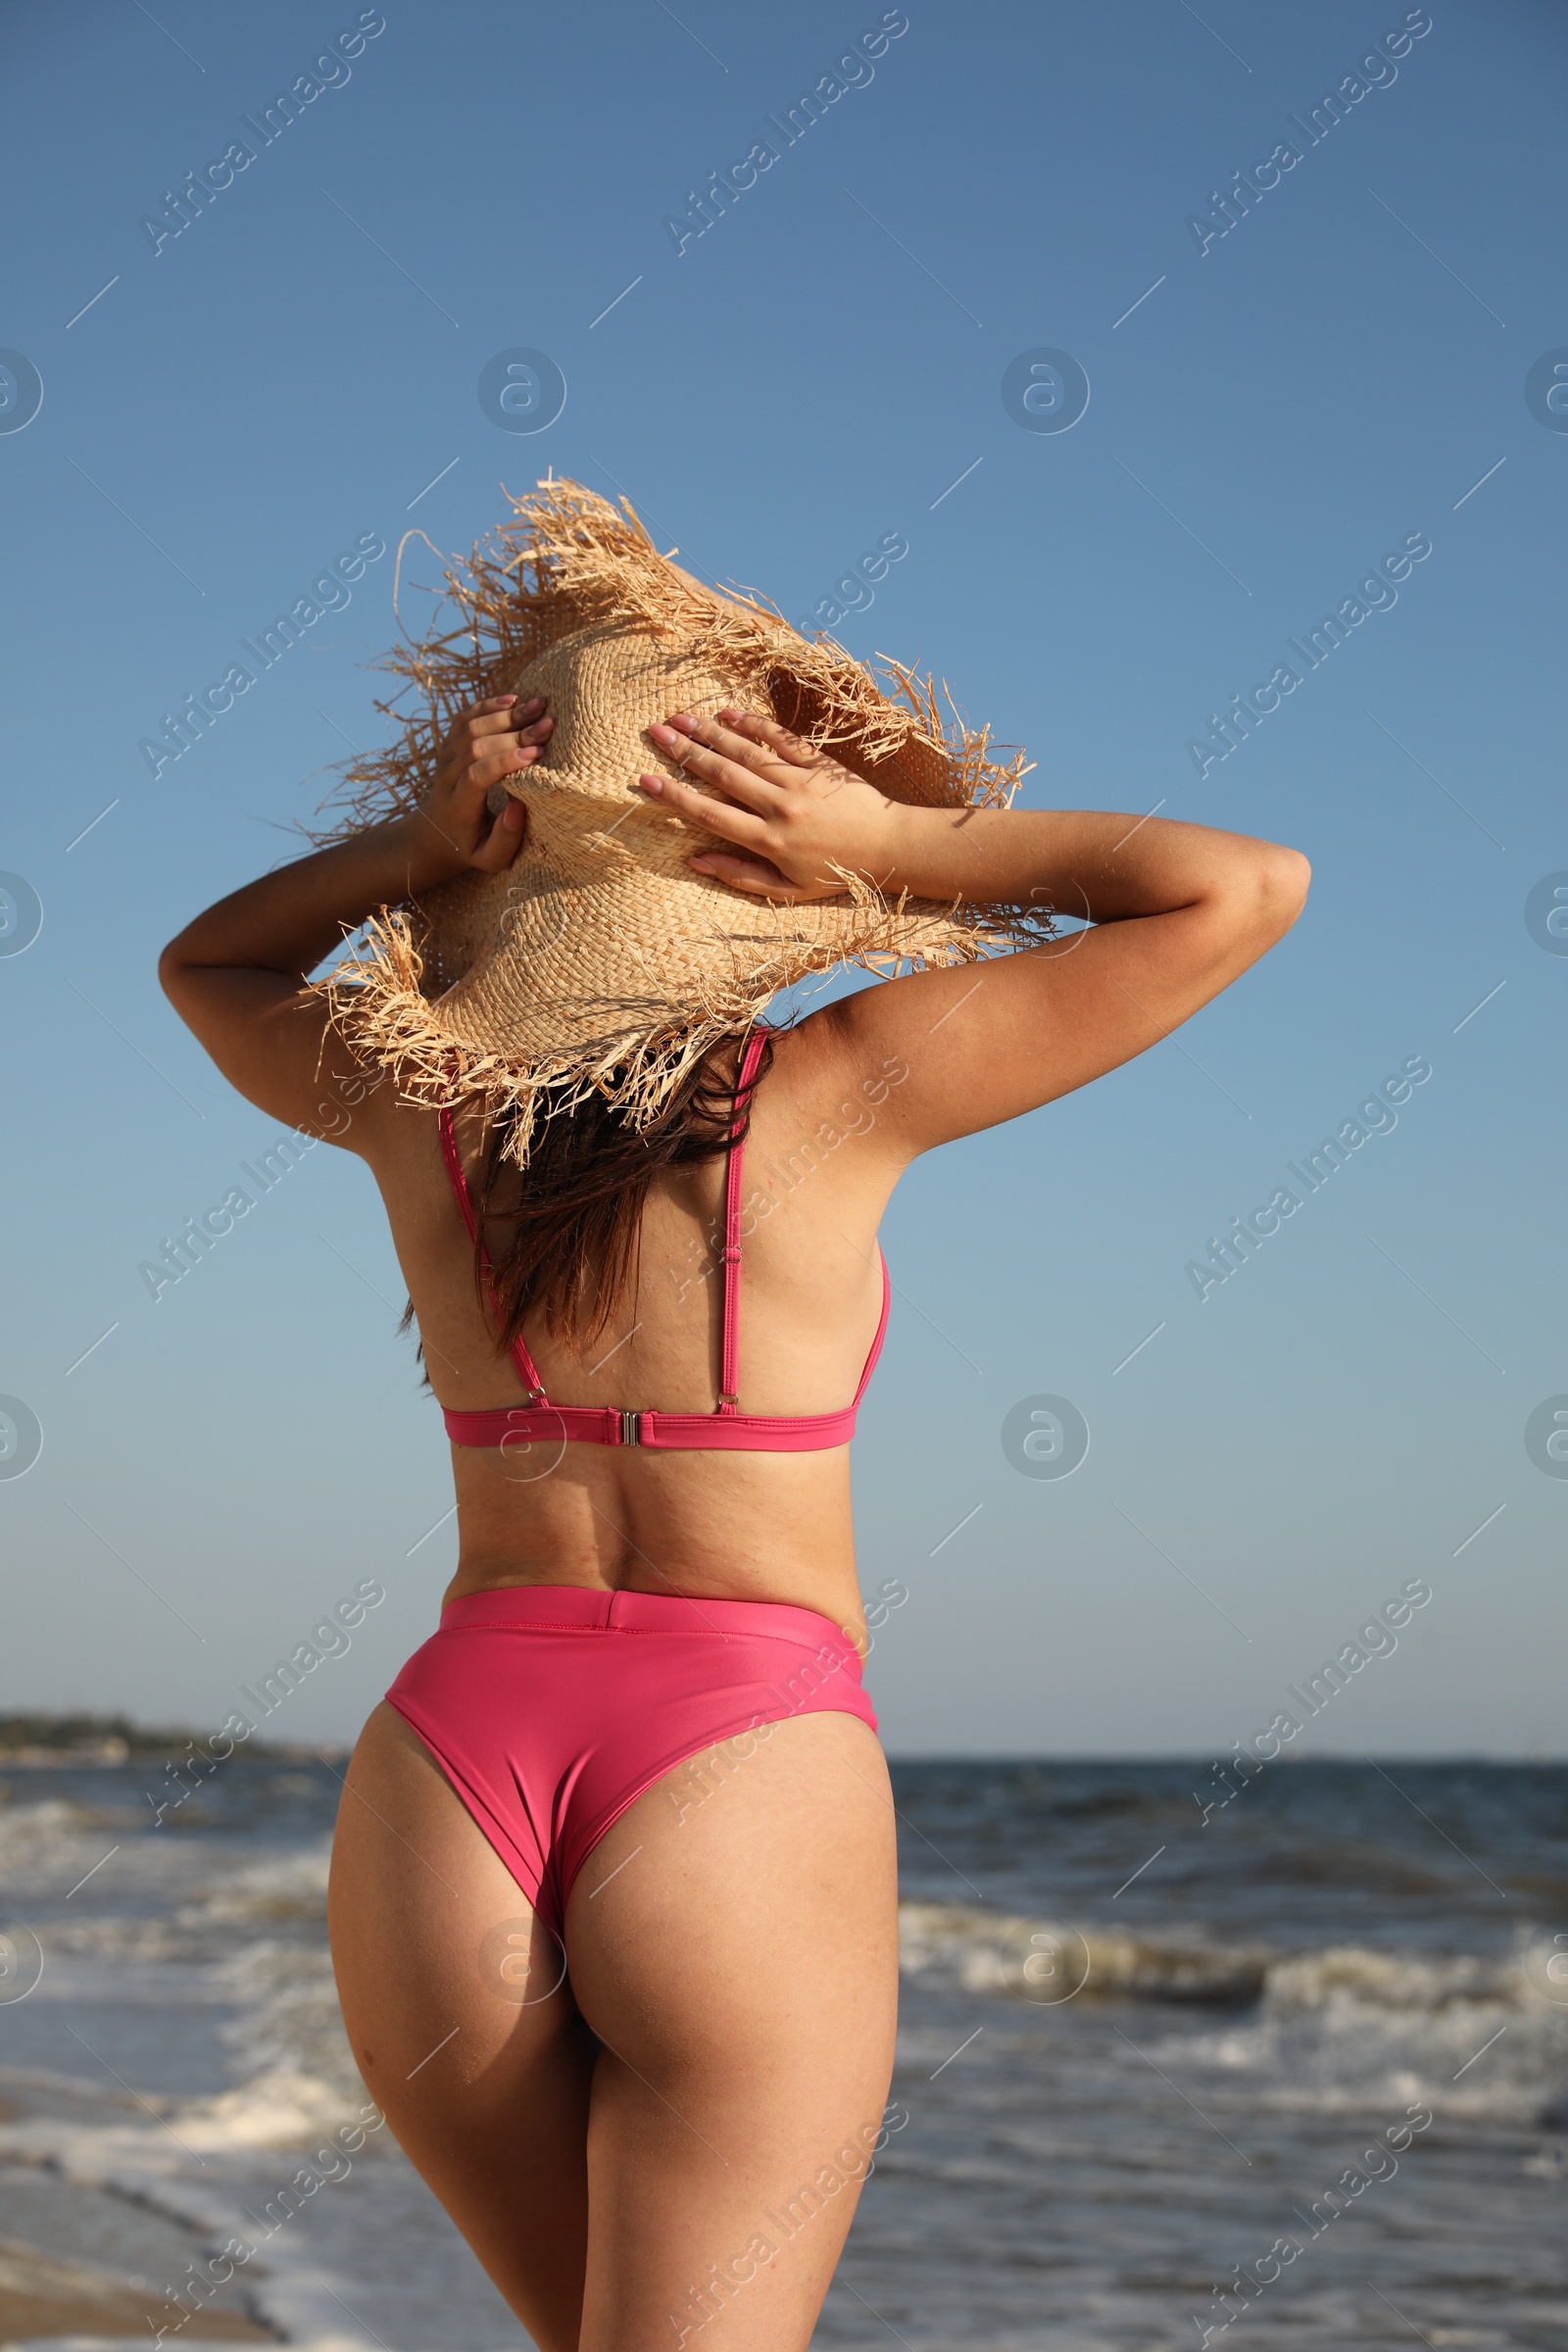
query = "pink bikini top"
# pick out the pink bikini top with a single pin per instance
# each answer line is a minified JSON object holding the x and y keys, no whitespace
{"x":726,"y":1429}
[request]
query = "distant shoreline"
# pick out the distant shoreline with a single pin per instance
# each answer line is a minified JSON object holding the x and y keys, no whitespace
{"x":50,"y":1743}
{"x":43,"y":1742}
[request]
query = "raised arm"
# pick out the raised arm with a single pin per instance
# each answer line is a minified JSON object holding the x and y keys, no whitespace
{"x":236,"y":975}
{"x":1178,"y":913}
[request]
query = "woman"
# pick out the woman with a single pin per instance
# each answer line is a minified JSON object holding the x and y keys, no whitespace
{"x":613,"y":1902}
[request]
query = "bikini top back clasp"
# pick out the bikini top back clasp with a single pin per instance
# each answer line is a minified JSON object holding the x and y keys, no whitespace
{"x":727,"y":1429}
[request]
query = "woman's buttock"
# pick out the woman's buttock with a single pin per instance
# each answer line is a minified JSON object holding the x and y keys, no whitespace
{"x":551,"y":1708}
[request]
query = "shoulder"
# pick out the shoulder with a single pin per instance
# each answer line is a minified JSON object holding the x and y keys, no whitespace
{"x":829,"y":1081}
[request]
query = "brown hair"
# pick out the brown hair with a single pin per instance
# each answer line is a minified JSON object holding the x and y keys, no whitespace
{"x":578,"y":1216}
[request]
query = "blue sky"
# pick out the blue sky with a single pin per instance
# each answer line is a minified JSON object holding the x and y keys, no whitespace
{"x":1271,"y":411}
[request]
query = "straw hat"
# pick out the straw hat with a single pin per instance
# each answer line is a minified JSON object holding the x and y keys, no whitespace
{"x":598,"y":959}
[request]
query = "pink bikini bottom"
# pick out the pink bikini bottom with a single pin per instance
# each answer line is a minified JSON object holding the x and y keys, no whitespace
{"x":551,"y":1708}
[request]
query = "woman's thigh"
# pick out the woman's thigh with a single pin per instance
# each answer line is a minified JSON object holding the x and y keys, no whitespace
{"x":463,"y":2023}
{"x":734,"y":1947}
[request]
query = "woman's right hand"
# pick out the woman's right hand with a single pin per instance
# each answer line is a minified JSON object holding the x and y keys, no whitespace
{"x":494,"y":740}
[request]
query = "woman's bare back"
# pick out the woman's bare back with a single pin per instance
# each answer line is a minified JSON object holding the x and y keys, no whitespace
{"x":818,"y":1166}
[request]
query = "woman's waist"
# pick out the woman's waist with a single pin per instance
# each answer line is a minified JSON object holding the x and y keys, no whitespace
{"x":770,"y":1531}
{"x":736,"y":1524}
{"x":543,"y":1607}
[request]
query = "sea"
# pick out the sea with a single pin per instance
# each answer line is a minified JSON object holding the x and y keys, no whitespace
{"x":1290,"y":2070}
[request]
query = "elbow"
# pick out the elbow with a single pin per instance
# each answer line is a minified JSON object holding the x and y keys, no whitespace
{"x":1294,"y":880}
{"x":1257,"y":899}
{"x":1279,"y":883}
{"x":172,"y":967}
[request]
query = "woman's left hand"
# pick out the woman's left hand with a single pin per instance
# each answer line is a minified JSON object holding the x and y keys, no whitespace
{"x":795,"y":820}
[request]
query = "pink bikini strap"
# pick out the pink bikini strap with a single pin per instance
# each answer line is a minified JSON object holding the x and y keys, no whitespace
{"x":730,"y":1371}
{"x":458,"y":1180}
{"x":460,"y":1184}
{"x":881,"y":1332}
